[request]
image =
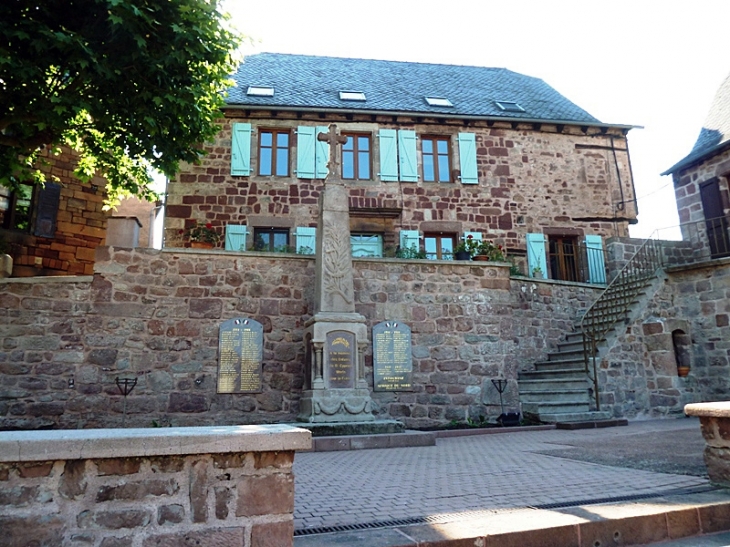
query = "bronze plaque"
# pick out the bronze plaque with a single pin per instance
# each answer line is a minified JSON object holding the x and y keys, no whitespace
{"x":340,"y":354}
{"x":392,"y":357}
{"x":240,"y":354}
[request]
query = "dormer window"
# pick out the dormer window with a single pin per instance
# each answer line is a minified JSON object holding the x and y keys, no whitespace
{"x":509,"y":106}
{"x":438,"y":101}
{"x":260,"y":91}
{"x":352,"y":96}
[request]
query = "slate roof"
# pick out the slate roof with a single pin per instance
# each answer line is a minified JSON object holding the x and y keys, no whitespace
{"x":309,"y":82}
{"x":715,"y":133}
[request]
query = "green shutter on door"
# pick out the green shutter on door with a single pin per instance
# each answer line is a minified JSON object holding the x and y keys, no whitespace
{"x":241,"y":150}
{"x":407,"y":155}
{"x":236,"y":237}
{"x":409,"y":239}
{"x":468,"y":158}
{"x":388,"y":155}
{"x":596,"y":262}
{"x":322,"y":153}
{"x":536,"y":258}
{"x":306,"y":240}
{"x":305,"y":152}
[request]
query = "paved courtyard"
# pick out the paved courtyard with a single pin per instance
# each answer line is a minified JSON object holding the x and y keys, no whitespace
{"x":497,"y":472}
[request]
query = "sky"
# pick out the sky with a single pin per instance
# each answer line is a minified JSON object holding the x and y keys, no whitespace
{"x":650,"y":63}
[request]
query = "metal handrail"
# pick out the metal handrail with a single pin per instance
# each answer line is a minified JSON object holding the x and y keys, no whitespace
{"x":615,"y":301}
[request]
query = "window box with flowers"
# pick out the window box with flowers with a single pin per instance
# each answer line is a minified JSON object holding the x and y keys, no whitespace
{"x":202,"y":236}
{"x":475,"y":249}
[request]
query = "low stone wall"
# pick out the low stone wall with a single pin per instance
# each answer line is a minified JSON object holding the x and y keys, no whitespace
{"x":149,"y":487}
{"x":715,"y":422}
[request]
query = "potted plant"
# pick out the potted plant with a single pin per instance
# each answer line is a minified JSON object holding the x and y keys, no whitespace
{"x":462,"y":251}
{"x":202,"y":236}
{"x":487,"y":250}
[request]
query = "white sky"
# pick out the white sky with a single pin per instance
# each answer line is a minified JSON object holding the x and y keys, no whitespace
{"x":652,"y":63}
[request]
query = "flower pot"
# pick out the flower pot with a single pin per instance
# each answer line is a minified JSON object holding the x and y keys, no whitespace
{"x":462,"y":255}
{"x":682,"y":371}
{"x":201,"y":245}
{"x":481,"y":258}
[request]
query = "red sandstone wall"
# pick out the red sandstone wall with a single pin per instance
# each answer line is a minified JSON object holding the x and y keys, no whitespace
{"x":530,"y":180}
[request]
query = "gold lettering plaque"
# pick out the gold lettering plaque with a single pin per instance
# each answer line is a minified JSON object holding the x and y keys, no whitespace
{"x":240,"y":355}
{"x":340,"y":359}
{"x":392,"y":357}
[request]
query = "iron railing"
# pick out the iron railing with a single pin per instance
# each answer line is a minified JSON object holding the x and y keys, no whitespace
{"x":614,"y":303}
{"x":702,"y":240}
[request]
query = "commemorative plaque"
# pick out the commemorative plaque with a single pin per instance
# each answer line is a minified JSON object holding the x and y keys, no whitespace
{"x":340,"y":359}
{"x":392,"y":357}
{"x":240,"y":354}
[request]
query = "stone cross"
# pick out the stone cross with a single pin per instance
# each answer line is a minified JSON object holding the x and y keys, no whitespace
{"x":334,"y":139}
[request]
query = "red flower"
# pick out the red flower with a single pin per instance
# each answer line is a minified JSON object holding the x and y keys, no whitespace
{"x":181,"y":231}
{"x":209,"y":225}
{"x":470,"y":236}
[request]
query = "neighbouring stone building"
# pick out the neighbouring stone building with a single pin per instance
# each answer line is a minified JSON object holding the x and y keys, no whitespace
{"x":434,"y":153}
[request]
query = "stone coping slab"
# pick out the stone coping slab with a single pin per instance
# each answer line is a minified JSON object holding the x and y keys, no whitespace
{"x":79,"y":444}
{"x":719,"y":409}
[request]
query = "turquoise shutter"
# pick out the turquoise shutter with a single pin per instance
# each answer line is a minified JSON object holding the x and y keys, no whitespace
{"x":322,"y":153}
{"x":468,"y":158}
{"x":306,"y":240}
{"x":305,"y":152}
{"x":409,"y":239}
{"x":596,"y":263}
{"x":536,"y":255}
{"x":236,"y":237}
{"x":388,"y":155}
{"x":368,"y":246}
{"x":407,"y":155}
{"x":241,"y":150}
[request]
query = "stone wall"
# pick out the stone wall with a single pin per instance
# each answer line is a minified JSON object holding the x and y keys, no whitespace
{"x":531,"y":178}
{"x":144,"y":488}
{"x":154,"y":316}
{"x":80,"y":225}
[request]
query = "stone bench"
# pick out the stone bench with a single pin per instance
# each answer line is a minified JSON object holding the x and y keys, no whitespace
{"x":715,"y":423}
{"x":229,"y":485}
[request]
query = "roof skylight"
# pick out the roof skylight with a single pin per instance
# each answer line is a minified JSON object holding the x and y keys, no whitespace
{"x":509,"y":106}
{"x":352,"y":96}
{"x":260,"y":91}
{"x":438,"y":101}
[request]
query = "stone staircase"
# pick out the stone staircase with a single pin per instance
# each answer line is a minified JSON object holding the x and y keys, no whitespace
{"x":559,"y":389}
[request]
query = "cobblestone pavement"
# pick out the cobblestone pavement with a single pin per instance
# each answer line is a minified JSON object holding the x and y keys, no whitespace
{"x":492,"y":472}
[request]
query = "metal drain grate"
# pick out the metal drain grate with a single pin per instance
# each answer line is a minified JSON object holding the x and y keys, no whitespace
{"x":451,"y":517}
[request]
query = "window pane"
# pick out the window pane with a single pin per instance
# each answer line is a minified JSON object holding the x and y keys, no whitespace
{"x":265,"y":161}
{"x":348,"y":167}
{"x":363,"y":143}
{"x":282,"y":162}
{"x":282,"y":140}
{"x":364,"y":165}
{"x":280,"y":239}
{"x":442,"y":147}
{"x":443,"y":169}
{"x":430,"y":246}
{"x":349,"y":144}
{"x":427,"y":146}
{"x":428,"y":168}
{"x":447,"y":248}
{"x":22,"y":208}
{"x":266,"y":139}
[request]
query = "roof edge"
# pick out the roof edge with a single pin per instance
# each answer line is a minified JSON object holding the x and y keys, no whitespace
{"x":430,"y":115}
{"x":692,"y":159}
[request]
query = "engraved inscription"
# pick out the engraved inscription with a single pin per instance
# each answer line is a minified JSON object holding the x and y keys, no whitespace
{"x":240,"y":354}
{"x":340,"y":359}
{"x":392,"y":357}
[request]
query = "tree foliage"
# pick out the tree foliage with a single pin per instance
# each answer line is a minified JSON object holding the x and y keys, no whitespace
{"x":127,"y":83}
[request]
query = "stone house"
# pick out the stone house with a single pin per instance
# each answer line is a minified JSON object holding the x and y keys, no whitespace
{"x":434,"y":154}
{"x":701,"y":182}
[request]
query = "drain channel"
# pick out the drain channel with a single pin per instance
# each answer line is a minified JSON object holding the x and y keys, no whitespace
{"x":451,"y":517}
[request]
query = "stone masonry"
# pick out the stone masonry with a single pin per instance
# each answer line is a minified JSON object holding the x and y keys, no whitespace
{"x":227,"y":493}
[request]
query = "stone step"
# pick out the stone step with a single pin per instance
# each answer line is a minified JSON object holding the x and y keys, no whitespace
{"x":549,"y":409}
{"x":553,"y":374}
{"x":562,"y":356}
{"x":526,"y":385}
{"x":566,"y":364}
{"x":562,"y":395}
{"x":568,"y":417}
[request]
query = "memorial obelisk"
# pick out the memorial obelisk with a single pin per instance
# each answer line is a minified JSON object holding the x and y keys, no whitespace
{"x":335,"y":388}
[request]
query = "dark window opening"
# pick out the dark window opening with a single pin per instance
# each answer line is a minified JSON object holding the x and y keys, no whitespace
{"x":435,"y":152}
{"x":16,"y":208}
{"x":563,"y":258}
{"x":275,"y":240}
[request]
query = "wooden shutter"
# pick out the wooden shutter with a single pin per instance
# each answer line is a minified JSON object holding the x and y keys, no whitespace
{"x":536,"y":255}
{"x":241,"y":150}
{"x":306,"y":240}
{"x":306,"y":152}
{"x":236,"y":237}
{"x":409,"y":239}
{"x":322,"y":153}
{"x":468,"y":158}
{"x":596,"y":262}
{"x":388,"y":155}
{"x":48,"y":198}
{"x":407,"y":156}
